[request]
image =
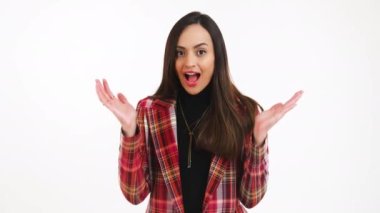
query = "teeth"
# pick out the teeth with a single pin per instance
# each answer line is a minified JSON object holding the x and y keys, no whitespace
{"x":190,"y":74}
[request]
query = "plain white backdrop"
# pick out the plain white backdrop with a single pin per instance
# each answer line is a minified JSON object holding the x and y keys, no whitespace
{"x":59,"y":145}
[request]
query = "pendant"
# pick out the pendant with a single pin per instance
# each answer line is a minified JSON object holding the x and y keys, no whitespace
{"x":189,"y":150}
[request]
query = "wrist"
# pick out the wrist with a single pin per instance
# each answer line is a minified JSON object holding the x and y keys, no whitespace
{"x":260,"y":140}
{"x":259,"y":135}
{"x":128,"y":132}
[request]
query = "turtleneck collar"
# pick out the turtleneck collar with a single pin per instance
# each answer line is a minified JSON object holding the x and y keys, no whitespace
{"x":194,"y":105}
{"x":201,"y":99}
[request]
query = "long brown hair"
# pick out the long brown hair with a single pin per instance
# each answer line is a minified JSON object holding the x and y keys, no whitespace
{"x":231,"y":114}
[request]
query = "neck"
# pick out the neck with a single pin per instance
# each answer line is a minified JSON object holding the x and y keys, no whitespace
{"x":202,"y":98}
{"x":194,"y":105}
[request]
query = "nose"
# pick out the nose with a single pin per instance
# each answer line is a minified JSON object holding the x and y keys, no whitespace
{"x":190,"y":60}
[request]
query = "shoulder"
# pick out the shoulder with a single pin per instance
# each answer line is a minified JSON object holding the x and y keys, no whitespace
{"x":150,"y":102}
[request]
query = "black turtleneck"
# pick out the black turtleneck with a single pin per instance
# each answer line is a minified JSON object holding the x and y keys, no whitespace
{"x":193,"y":179}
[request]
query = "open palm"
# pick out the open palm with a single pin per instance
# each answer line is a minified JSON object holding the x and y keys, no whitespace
{"x":119,"y":106}
{"x":268,"y":118}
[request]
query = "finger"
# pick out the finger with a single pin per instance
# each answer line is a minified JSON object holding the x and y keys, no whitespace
{"x":108,"y":97}
{"x":276,"y":107}
{"x":288,"y":108}
{"x":107,"y":89}
{"x":100,"y":92}
{"x":294,"y":99}
{"x":293,"y":102}
{"x":122,"y":98}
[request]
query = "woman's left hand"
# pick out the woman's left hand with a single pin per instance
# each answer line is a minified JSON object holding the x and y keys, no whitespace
{"x":268,"y":118}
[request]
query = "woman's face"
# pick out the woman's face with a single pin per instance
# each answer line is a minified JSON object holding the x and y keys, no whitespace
{"x":195,"y":59}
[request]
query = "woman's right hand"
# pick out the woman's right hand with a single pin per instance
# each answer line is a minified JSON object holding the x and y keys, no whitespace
{"x":119,"y":106}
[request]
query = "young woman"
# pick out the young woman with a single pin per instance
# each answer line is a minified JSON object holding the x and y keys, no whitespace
{"x":197,"y":144}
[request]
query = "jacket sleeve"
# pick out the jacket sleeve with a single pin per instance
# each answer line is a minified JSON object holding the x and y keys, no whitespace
{"x":255,"y":172}
{"x":133,"y":161}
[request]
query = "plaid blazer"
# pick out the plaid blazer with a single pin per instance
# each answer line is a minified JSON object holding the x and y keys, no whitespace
{"x":148,"y":163}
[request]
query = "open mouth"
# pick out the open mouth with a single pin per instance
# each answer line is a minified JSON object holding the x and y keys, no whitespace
{"x":192,"y":76}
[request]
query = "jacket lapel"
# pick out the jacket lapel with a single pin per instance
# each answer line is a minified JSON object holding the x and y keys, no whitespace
{"x":216,"y":173}
{"x":163,"y":128}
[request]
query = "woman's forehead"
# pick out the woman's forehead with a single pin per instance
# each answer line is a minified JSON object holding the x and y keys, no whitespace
{"x":194,"y":35}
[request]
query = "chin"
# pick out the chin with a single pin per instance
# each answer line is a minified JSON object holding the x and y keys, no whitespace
{"x":192,"y":90}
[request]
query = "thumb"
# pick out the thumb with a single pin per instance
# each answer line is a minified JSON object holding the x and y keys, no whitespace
{"x":122,"y":98}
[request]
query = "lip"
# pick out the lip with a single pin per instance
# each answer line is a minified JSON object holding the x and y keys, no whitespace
{"x":191,"y":73}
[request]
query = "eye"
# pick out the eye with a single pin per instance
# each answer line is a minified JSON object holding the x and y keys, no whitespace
{"x":201,"y":52}
{"x":179,"y":53}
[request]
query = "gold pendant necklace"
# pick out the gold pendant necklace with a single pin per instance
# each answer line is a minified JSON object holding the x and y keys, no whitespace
{"x":190,"y":132}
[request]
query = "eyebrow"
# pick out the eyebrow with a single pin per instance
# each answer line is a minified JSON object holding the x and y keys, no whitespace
{"x":198,"y":45}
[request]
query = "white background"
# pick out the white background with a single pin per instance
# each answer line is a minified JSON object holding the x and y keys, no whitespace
{"x":59,"y":145}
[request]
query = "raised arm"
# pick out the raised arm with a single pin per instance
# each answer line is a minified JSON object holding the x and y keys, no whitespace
{"x":255,"y":165}
{"x":133,"y":158}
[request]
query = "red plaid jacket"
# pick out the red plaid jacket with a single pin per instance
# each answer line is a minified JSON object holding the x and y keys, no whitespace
{"x":148,"y":163}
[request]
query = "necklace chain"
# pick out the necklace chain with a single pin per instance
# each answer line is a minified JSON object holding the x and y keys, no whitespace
{"x":190,"y":132}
